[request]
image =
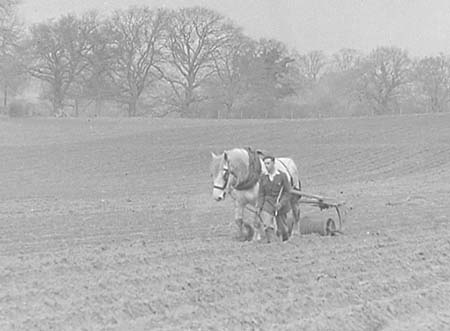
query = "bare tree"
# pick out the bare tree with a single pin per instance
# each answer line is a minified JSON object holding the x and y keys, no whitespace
{"x":433,"y":77}
{"x":384,"y":72}
{"x":138,"y":36}
{"x":12,"y":62}
{"x":94,"y":84}
{"x":341,"y":81}
{"x":230,"y":83}
{"x":196,"y":36}
{"x":346,"y":59}
{"x":311,"y":64}
{"x":60,"y":50}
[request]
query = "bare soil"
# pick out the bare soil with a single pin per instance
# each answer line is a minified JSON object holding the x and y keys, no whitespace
{"x":110,"y":225}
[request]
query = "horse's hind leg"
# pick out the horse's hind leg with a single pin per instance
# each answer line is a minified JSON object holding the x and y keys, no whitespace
{"x":295,"y":207}
{"x":245,"y":230}
{"x":248,"y":232}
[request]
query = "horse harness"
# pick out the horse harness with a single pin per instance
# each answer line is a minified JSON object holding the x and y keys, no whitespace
{"x":255,"y":166}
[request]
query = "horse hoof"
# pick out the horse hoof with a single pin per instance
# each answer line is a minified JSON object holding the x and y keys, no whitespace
{"x":240,"y":236}
{"x":257,"y":237}
{"x":248,"y":232}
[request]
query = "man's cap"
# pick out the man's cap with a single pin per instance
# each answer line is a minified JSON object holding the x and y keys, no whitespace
{"x":268,"y":157}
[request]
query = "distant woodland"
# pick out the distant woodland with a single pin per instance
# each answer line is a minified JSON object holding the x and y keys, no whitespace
{"x":196,"y":63}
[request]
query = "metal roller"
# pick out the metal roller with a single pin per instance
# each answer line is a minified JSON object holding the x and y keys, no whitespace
{"x":324,"y":227}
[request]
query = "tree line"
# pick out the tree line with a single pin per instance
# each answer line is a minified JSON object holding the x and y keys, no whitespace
{"x":194,"y":62}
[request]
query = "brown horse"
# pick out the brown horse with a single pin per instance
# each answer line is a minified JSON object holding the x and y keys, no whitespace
{"x":236,"y":172}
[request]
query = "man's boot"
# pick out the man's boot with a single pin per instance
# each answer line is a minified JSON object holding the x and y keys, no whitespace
{"x":271,"y":236}
{"x":283,"y":231}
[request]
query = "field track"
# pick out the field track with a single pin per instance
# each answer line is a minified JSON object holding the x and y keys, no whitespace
{"x":110,"y":225}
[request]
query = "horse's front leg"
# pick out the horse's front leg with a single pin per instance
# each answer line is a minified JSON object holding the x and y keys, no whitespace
{"x":259,"y":228}
{"x":245,"y":230}
{"x":239,"y":219}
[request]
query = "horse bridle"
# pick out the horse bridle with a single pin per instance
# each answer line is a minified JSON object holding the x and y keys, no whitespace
{"x":226,"y":178}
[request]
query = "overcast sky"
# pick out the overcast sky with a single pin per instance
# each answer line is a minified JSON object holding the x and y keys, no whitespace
{"x":420,"y":26}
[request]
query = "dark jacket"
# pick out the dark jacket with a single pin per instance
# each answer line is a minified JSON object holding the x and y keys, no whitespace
{"x":269,"y":190}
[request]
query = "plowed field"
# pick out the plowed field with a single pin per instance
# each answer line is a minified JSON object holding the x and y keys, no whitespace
{"x":110,"y":225}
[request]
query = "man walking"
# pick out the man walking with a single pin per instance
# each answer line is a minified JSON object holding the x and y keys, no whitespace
{"x":273,"y":201}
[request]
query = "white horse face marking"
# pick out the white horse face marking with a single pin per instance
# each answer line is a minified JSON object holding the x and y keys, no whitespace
{"x":220,"y":175}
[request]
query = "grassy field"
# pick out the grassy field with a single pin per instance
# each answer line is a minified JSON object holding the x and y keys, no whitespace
{"x":110,"y":225}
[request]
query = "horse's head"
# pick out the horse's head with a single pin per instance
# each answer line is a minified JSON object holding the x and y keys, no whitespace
{"x":220,"y":173}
